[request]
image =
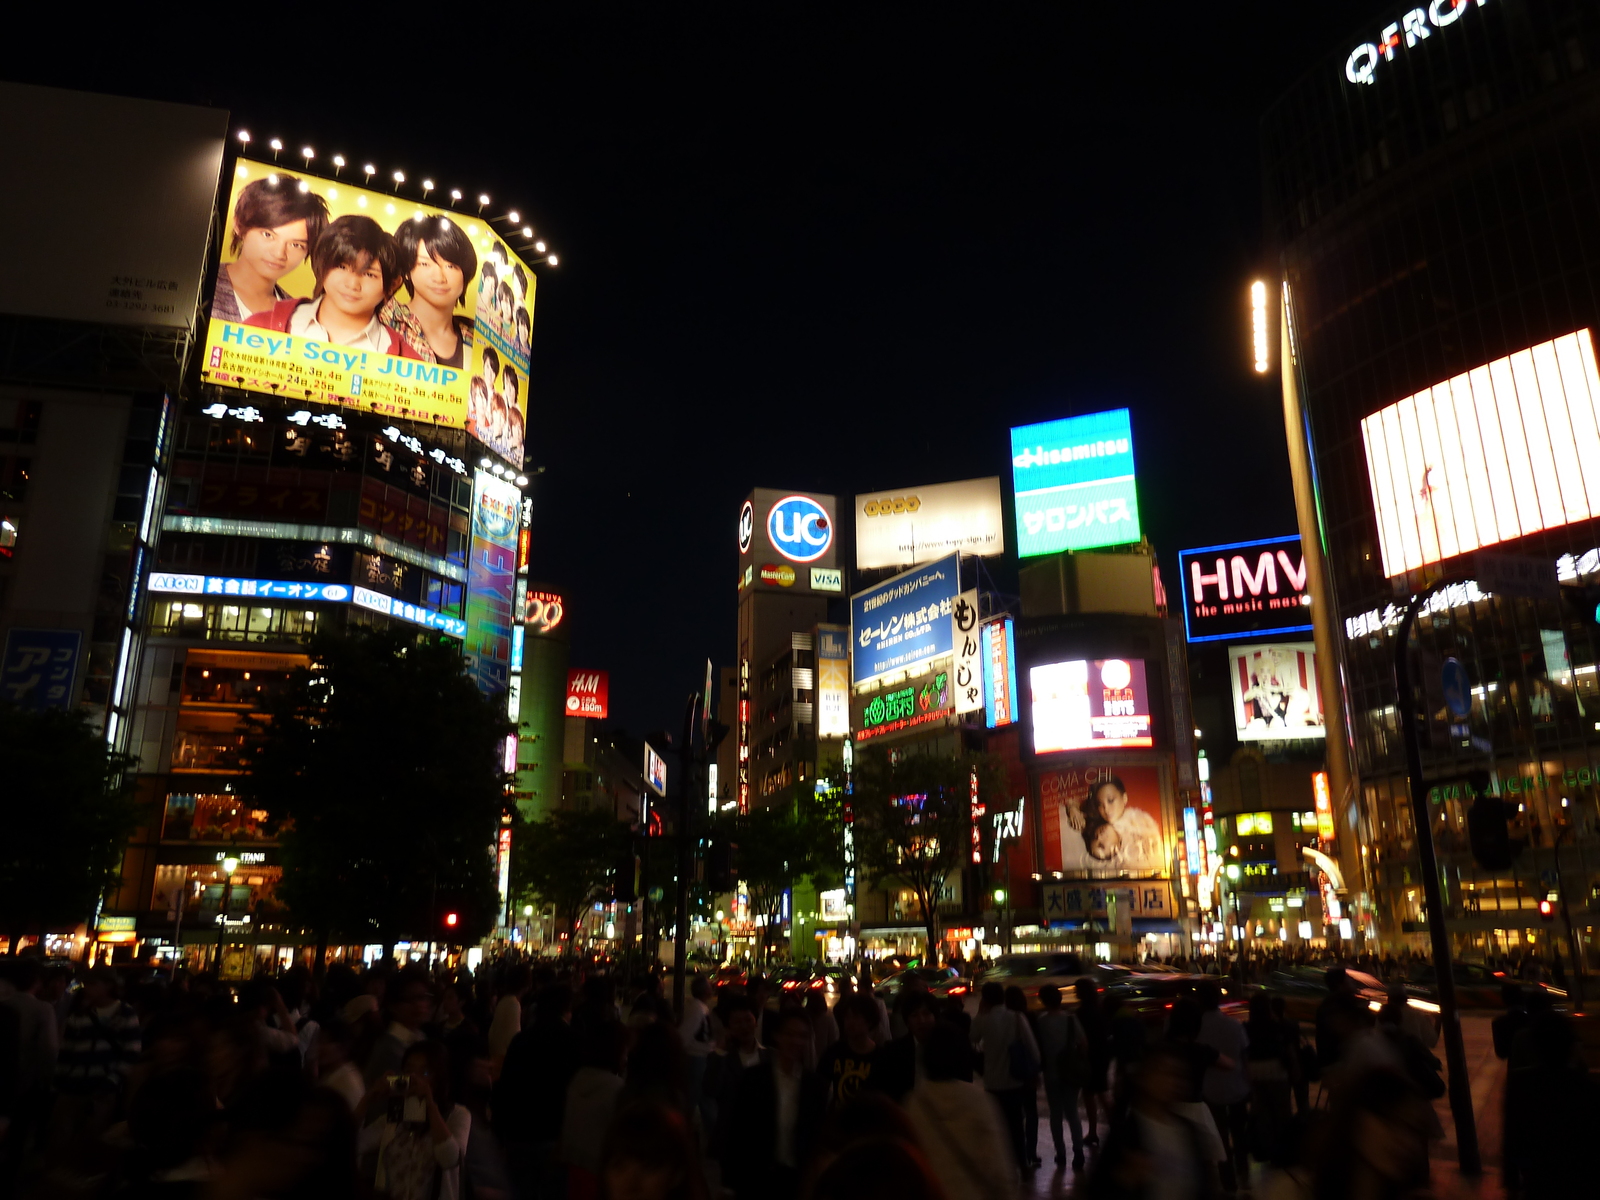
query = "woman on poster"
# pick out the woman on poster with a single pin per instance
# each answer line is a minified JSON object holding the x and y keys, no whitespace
{"x":276,"y":221}
{"x":437,"y":262}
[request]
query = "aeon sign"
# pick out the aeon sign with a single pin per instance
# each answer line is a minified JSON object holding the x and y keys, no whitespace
{"x":1415,"y":26}
{"x":799,"y":529}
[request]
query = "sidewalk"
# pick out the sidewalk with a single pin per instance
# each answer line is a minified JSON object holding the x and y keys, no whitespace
{"x":1487,"y":1074}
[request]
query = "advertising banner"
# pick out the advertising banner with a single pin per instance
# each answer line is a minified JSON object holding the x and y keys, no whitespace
{"x":655,"y":770}
{"x":968,"y":645}
{"x":1103,"y":819}
{"x":999,"y":673}
{"x":921,"y":702}
{"x":39,"y":668}
{"x":1275,"y":692}
{"x":333,"y":293}
{"x":905,"y":620}
{"x":833,"y":681}
{"x":789,"y":541}
{"x":1499,"y":452}
{"x":908,"y":526}
{"x":1244,"y":589}
{"x":1073,"y":483}
{"x":110,"y":204}
{"x":588,"y":693}
{"x":491,"y":581}
{"x":1148,"y":900}
{"x":1090,"y":705}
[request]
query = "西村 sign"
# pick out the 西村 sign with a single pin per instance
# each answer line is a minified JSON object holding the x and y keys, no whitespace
{"x":1073,"y":483}
{"x":905,"y":620}
{"x":921,"y":702}
{"x":1244,"y":589}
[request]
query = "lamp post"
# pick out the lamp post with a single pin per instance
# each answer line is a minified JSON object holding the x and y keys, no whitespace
{"x":527,"y":928}
{"x":229,"y":866}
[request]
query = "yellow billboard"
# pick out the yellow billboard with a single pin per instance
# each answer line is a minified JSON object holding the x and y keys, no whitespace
{"x":332,"y":293}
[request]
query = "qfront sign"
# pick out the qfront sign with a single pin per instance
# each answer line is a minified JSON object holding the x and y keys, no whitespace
{"x":1244,"y":588}
{"x":789,"y":541}
{"x":1408,"y":31}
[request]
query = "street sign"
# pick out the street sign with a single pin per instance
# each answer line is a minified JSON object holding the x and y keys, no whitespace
{"x":1457,"y":690}
{"x":1516,"y":575}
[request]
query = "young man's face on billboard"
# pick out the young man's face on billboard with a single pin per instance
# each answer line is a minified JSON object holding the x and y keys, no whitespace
{"x":273,"y":253}
{"x":355,"y":290}
{"x":436,"y":281}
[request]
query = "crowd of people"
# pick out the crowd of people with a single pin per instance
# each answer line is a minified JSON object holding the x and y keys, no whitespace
{"x":527,"y":1081}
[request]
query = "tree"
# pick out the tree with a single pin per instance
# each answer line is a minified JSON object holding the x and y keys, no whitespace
{"x":778,"y":845}
{"x":68,"y":812}
{"x":568,"y":859}
{"x":383,"y":760}
{"x":913,"y":819}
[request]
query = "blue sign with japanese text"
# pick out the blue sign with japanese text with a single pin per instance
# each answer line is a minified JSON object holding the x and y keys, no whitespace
{"x":904,"y":621}
{"x":39,"y":667}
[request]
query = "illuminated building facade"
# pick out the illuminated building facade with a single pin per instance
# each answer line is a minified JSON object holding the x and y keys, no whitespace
{"x":1431,"y":191}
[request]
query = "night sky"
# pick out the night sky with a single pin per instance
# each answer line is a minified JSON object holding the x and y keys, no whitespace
{"x":813,"y":248}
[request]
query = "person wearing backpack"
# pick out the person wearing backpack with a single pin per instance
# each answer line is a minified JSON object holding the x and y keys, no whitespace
{"x":1064,"y":1047}
{"x":1010,"y":1061}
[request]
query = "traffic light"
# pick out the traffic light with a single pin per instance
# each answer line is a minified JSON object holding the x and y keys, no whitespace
{"x":625,"y":889}
{"x":1492,"y":847}
{"x":451,"y":920}
{"x":1547,"y":909}
{"x":720,"y":874}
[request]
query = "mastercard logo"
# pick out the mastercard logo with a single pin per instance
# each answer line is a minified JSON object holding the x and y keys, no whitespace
{"x":782,"y":576}
{"x":889,"y":506}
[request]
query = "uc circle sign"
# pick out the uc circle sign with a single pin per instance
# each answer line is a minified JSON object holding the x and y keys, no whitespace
{"x":747,"y":526}
{"x":799,"y":529}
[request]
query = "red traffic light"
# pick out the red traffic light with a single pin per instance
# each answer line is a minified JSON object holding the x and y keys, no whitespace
{"x":1547,"y":910}
{"x":450,"y":919}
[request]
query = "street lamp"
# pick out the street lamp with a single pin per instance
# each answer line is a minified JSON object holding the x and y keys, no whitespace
{"x":229,"y":866}
{"x":527,"y":927}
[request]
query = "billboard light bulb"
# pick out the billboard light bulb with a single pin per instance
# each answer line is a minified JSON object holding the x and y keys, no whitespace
{"x":1258,"y":324}
{"x":338,"y":160}
{"x":370,"y":169}
{"x":552,"y":260}
{"x":275,"y":144}
{"x":522,"y":481}
{"x":514,"y":216}
{"x":484,"y":463}
{"x":399,"y":176}
{"x":483,"y":198}
{"x":539,"y":246}
{"x":455,"y":193}
{"x":244,"y":136}
{"x":307,"y":153}
{"x":427,"y":185}
{"x":527,"y":231}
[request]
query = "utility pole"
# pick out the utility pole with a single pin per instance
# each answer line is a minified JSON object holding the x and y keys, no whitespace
{"x":686,"y":775}
{"x":1433,"y":895}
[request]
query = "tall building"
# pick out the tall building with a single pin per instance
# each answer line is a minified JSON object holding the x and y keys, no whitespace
{"x":1431,"y":199}
{"x":320,"y":470}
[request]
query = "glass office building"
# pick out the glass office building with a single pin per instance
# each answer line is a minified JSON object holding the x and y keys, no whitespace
{"x":1433,"y":196}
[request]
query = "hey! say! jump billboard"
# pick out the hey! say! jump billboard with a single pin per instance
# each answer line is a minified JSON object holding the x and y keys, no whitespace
{"x":338,"y":294}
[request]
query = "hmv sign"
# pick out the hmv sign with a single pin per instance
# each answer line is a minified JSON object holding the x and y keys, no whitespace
{"x":1244,"y":588}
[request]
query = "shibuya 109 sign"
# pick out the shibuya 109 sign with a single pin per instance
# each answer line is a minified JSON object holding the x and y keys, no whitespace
{"x":1409,"y":30}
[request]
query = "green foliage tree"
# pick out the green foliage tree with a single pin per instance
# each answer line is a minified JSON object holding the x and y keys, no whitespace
{"x":383,"y":759}
{"x":913,"y":819}
{"x":68,"y":810}
{"x":567,"y":859}
{"x":777,"y":846}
